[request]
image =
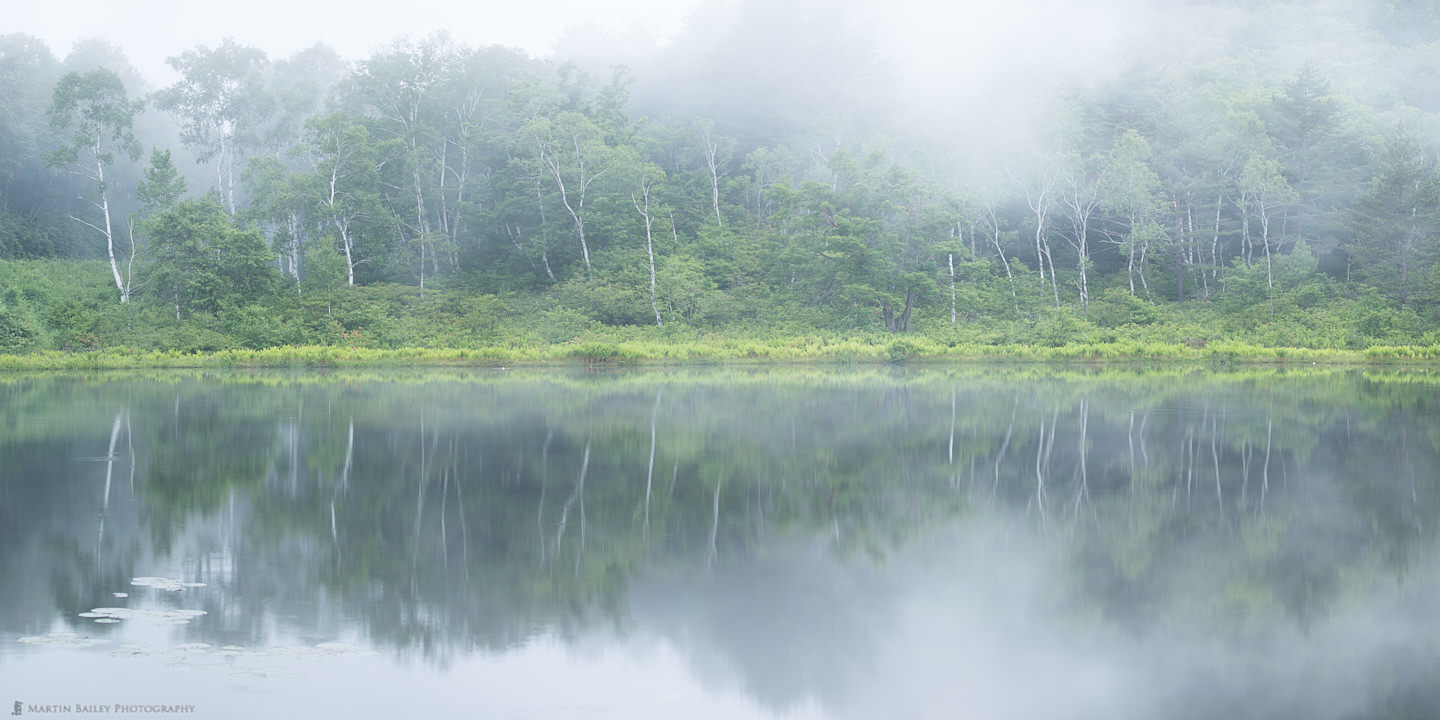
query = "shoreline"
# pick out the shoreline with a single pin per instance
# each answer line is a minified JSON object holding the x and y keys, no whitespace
{"x":808,"y":350}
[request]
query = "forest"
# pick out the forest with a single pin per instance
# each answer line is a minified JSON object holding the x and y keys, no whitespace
{"x":1219,"y":172}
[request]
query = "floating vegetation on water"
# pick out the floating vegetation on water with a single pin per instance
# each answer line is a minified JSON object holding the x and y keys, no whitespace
{"x":63,"y":639}
{"x":111,"y":615}
{"x":160,"y":583}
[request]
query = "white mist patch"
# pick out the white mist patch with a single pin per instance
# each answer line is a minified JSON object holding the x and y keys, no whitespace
{"x":990,"y":628}
{"x":992,"y":619}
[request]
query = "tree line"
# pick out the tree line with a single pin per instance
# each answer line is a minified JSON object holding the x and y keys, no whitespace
{"x":273,"y":201}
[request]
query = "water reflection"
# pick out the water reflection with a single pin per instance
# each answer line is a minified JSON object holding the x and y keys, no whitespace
{"x":1019,"y":543}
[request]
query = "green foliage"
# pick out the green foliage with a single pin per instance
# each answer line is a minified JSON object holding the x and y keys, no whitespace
{"x":606,"y":300}
{"x":220,"y":105}
{"x":1057,"y":327}
{"x":177,"y":343}
{"x":683,"y":289}
{"x":482,"y":314}
{"x":20,"y":330}
{"x":163,"y":186}
{"x":1396,"y":221}
{"x":1379,"y":321}
{"x":1116,"y":307}
{"x":1193,"y":205}
{"x":73,"y":325}
{"x":200,"y":263}
{"x":324,"y":268}
{"x":906,"y":349}
{"x":255,"y":326}
{"x":21,"y":237}
{"x":593,"y":352}
{"x":93,"y":105}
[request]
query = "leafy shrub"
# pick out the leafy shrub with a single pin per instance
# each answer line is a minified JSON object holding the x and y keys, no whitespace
{"x":253,"y":326}
{"x":901,"y":350}
{"x":607,"y":301}
{"x":21,"y":238}
{"x":20,"y":330}
{"x":185,"y":338}
{"x":597,"y":352}
{"x":1062,"y":326}
{"x":1116,"y":307}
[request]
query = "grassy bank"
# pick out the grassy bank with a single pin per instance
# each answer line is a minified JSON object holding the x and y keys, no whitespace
{"x":621,"y":351}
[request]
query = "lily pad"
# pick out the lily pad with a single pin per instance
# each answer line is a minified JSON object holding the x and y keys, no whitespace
{"x":63,"y":639}
{"x":160,"y":583}
{"x":176,"y":617}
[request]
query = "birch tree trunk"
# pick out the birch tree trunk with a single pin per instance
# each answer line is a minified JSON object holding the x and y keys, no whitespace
{"x":1039,"y":200}
{"x":999,"y":250}
{"x":649,"y":244}
{"x":710,"y":162}
{"x":103,"y":204}
{"x":585,"y":175}
{"x":950,"y":257}
{"x":1080,"y":196}
{"x":340,"y":218}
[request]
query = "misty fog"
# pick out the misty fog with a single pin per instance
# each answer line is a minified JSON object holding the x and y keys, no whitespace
{"x":965,"y":90}
{"x":1201,"y":239}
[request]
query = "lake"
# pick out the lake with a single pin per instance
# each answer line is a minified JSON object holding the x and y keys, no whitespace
{"x":791,"y":542}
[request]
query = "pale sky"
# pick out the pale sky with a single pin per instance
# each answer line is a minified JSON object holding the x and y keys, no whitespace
{"x":151,"y":30}
{"x":926,"y":38}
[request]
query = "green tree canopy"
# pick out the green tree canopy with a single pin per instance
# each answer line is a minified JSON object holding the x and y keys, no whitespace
{"x":202,"y":264}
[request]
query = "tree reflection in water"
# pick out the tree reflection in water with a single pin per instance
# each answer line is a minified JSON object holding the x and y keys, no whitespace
{"x":1192,"y":544}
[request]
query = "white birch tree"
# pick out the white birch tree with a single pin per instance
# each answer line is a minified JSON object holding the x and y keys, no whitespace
{"x":1265,"y":195}
{"x":572,"y":152}
{"x":1131,"y":194}
{"x":345,"y":177}
{"x":1079,"y":193}
{"x":221,"y":104}
{"x":95,"y":107}
{"x":644,"y":209}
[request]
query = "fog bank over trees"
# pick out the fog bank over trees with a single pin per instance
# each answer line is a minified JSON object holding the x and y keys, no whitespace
{"x":1176,"y":172}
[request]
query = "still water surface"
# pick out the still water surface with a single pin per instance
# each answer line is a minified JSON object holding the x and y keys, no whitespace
{"x":807,"y":543}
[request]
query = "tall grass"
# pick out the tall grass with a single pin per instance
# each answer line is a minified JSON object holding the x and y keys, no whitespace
{"x":632,"y":349}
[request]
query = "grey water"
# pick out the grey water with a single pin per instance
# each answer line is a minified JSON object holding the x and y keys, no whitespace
{"x":752,"y":543}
